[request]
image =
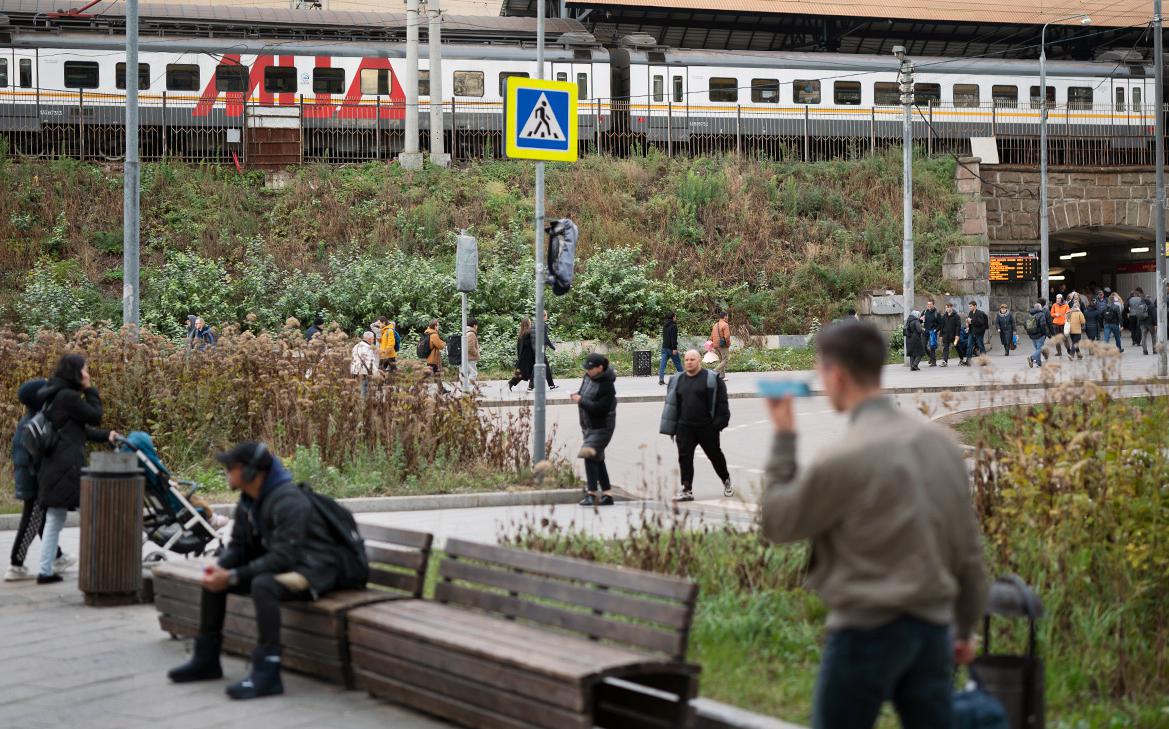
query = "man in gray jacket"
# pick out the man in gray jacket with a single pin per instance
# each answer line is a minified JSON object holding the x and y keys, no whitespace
{"x":896,"y":552}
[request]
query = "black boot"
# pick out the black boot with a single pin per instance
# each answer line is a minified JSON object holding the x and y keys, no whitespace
{"x":204,"y":663}
{"x":264,"y":680}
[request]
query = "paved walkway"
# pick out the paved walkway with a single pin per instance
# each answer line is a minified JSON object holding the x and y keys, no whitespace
{"x":63,"y":664}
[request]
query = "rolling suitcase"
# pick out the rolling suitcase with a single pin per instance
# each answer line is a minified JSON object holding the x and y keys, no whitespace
{"x":1015,"y":680}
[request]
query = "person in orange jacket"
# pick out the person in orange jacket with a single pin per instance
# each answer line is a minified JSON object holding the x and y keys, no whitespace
{"x":720,"y":337}
{"x":434,"y":359}
{"x":1059,"y":317}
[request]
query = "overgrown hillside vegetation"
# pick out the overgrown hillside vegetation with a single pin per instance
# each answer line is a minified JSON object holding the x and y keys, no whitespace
{"x":776,"y":243}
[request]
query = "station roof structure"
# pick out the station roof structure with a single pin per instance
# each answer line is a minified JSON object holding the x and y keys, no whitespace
{"x":1006,"y":28}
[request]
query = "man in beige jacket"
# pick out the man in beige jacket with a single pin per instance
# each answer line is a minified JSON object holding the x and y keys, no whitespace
{"x":896,"y":553}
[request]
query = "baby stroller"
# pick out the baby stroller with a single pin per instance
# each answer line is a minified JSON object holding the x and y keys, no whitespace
{"x":173,"y":517}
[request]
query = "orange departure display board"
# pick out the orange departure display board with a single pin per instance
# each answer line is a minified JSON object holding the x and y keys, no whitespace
{"x":1014,"y":268}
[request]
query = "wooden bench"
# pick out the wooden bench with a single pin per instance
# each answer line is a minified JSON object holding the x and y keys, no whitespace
{"x":313,"y":633}
{"x":517,"y":639}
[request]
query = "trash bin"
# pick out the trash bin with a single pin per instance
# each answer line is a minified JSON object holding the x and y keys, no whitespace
{"x":642,"y":363}
{"x":1017,"y":681}
{"x":111,"y":530}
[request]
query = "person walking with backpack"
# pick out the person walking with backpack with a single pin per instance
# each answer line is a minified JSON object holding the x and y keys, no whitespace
{"x":950,"y":328}
{"x":1036,"y":328}
{"x":32,"y":516}
{"x":389,"y":344}
{"x":281,"y":549}
{"x":430,"y":348}
{"x":1111,"y":317}
{"x":915,"y":341}
{"x":720,"y":336}
{"x":363,"y":361}
{"x":1145,"y":315}
{"x":1075,"y":327}
{"x":596,"y":401}
{"x":1137,"y":311}
{"x":696,"y":411}
{"x":669,"y":346}
{"x":1005,"y":323}
{"x":73,"y":407}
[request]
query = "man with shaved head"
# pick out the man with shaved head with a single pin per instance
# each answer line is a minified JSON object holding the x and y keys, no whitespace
{"x":696,"y":411}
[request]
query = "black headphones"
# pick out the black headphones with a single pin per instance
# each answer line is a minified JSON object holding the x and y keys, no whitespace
{"x":253,"y":468}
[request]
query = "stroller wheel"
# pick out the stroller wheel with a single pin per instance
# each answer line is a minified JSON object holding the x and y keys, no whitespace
{"x":155,"y":557}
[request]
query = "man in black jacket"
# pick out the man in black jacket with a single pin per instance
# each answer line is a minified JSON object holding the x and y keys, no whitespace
{"x":951,"y":326}
{"x":280,"y":549}
{"x":669,"y":346}
{"x":977,"y":324}
{"x":931,"y":323}
{"x":696,"y":411}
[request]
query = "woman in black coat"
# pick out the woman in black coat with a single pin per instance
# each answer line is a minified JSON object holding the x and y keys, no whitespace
{"x":74,"y":408}
{"x":525,"y":356}
{"x":597,"y":402}
{"x":914,"y":340}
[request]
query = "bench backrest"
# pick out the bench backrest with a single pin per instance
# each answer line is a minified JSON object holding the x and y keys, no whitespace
{"x":398,"y":558}
{"x":642,"y":610}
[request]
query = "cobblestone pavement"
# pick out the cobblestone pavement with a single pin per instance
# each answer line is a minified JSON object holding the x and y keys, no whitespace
{"x":65,"y":665}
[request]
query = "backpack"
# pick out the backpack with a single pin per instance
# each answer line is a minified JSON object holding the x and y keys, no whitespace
{"x":1032,"y":325}
{"x":38,"y":436}
{"x":561,"y":255}
{"x":352,"y":562}
{"x":1141,"y":310}
{"x":424,"y":346}
{"x":1109,"y":315}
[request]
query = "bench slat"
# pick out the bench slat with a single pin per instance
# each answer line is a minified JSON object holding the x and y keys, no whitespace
{"x":393,"y":535}
{"x":399,"y":557}
{"x":576,"y":569}
{"x":411,"y":584}
{"x":671,"y":615}
{"x":366,"y":644}
{"x":671,"y":644}
{"x":521,"y":705}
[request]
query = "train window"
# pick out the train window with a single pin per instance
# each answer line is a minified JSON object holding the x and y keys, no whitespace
{"x":424,"y":83}
{"x":182,"y":77}
{"x":659,"y":88}
{"x":806,"y":92}
{"x":3,"y":71}
{"x":765,"y":90}
{"x":926,"y":94}
{"x":1079,"y":97}
{"x":1035,"y":97}
{"x":886,"y":93}
{"x":503,"y":77}
{"x":80,"y":75}
{"x":582,"y":85}
{"x":724,"y":89}
{"x":846,"y":93}
{"x":562,"y":76}
{"x":231,"y":78}
{"x":469,"y":83}
{"x":966,"y":95}
{"x":1120,"y":99}
{"x":26,"y":73}
{"x":1004,"y":96}
{"x":375,"y":81}
{"x":330,"y":81}
{"x":143,"y":76}
{"x":280,"y":79}
{"x":1136,"y":98}
{"x":679,"y":96}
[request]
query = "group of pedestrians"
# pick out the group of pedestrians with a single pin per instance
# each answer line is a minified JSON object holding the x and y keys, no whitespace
{"x":49,"y":483}
{"x":926,"y":331}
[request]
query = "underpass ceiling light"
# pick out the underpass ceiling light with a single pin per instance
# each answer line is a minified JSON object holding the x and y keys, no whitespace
{"x":1139,"y":249}
{"x":1058,"y":277}
{"x":1070,"y":256}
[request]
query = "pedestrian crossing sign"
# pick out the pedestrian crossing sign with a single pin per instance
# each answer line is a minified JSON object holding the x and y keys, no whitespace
{"x":541,"y":120}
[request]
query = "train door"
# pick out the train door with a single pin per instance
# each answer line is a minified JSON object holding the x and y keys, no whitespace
{"x":581,"y":75}
{"x":668,"y":103}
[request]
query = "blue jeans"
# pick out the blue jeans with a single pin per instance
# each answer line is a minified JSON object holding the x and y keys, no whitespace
{"x":1037,"y":355}
{"x":907,"y":661}
{"x":1113,"y":330}
{"x":54,"y":523}
{"x":668,"y":355}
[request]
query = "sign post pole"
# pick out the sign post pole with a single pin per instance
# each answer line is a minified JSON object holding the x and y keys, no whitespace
{"x":538,"y":430}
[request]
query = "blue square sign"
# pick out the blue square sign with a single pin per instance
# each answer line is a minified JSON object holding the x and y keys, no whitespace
{"x":541,"y":119}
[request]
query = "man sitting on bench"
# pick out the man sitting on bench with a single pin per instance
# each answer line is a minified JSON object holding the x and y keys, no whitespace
{"x":281,"y":549}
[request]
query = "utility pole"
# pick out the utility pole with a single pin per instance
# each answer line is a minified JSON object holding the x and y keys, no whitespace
{"x":1044,"y":243}
{"x":905,"y":78}
{"x":1159,"y":211}
{"x":411,"y":158}
{"x":538,"y":437}
{"x":434,"y":45}
{"x":131,"y":175}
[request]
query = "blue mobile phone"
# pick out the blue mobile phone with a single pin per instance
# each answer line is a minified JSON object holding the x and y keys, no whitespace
{"x":778,"y":389}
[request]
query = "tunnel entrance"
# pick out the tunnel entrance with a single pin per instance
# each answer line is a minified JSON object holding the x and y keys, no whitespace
{"x":1117,"y":257}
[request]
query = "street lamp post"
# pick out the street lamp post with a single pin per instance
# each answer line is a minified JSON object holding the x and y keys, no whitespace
{"x":1044,"y":245}
{"x":905,"y":79}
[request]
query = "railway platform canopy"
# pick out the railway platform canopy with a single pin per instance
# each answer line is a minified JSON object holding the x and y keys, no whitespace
{"x":925,"y":27}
